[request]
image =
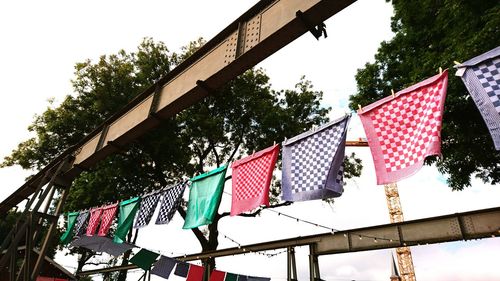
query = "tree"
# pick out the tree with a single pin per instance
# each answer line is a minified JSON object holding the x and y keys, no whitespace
{"x":430,"y":34}
{"x":245,"y":115}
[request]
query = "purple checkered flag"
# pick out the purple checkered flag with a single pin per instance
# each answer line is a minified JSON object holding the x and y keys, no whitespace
{"x":313,"y":163}
{"x":481,"y":76}
{"x":147,"y":209}
{"x":171,"y":200}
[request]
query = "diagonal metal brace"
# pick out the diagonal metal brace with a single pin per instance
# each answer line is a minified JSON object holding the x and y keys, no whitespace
{"x":316,"y":30}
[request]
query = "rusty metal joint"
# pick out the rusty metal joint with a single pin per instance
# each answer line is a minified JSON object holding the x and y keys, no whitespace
{"x":316,"y":30}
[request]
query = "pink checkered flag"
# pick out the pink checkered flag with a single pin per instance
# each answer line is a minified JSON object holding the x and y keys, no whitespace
{"x":404,"y":129}
{"x":251,"y":177}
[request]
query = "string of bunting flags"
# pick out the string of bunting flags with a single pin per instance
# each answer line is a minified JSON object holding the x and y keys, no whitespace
{"x":402,"y":130}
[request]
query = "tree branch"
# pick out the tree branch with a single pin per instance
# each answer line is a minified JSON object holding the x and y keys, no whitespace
{"x":197,"y":232}
{"x":236,"y":147}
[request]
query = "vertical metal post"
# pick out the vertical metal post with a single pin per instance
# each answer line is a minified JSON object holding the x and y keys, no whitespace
{"x":314,"y":274}
{"x":291,"y":265}
{"x":311,"y":263}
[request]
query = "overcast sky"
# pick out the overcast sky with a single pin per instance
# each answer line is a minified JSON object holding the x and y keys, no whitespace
{"x":42,"y":41}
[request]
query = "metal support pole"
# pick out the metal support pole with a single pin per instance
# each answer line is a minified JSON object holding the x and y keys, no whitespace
{"x":291,"y":265}
{"x":313,"y":264}
{"x":48,"y":236}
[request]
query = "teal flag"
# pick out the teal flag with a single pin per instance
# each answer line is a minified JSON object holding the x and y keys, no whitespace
{"x":126,"y":216}
{"x":204,"y":197}
{"x":68,"y":235}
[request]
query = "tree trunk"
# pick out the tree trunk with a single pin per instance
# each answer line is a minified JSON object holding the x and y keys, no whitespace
{"x":211,"y":245}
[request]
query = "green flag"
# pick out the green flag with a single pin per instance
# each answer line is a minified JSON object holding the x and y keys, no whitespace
{"x":144,"y":259}
{"x":204,"y":197}
{"x":126,"y":215}
{"x":231,"y":277}
{"x":68,"y":235}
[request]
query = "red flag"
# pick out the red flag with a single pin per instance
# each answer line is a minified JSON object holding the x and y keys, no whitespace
{"x":108,"y":214}
{"x":95,"y":216}
{"x":251,"y":179}
{"x":195,"y":273}
{"x":217,"y":275}
{"x":404,"y":129}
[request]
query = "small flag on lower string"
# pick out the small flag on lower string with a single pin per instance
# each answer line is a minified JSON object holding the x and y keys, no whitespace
{"x":481,"y":76}
{"x":251,"y":177}
{"x":253,"y":278}
{"x":182,"y":269}
{"x":68,"y":234}
{"x":128,"y":209}
{"x":195,"y":273}
{"x":312,"y":163}
{"x":147,"y":209}
{"x":108,"y":214}
{"x":217,"y":275}
{"x":204,"y":197}
{"x":402,"y":130}
{"x":144,"y":259}
{"x":163,"y":267}
{"x":171,"y":199}
{"x":231,"y":277}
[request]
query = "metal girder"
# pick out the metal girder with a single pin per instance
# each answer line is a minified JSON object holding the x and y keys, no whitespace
{"x":454,"y":227}
{"x":261,"y":31}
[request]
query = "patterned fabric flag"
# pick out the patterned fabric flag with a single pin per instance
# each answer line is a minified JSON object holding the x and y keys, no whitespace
{"x":403,"y":130}
{"x":204,"y":197}
{"x":171,"y":199}
{"x":251,"y":179}
{"x":147,"y":209}
{"x":195,"y":273}
{"x":182,"y":269}
{"x":81,"y":223}
{"x":144,"y":259}
{"x":95,"y":217}
{"x":481,"y":76}
{"x":68,"y":234}
{"x":163,"y":267}
{"x":312,"y":163}
{"x":108,"y":214}
{"x":217,"y":275}
{"x":128,"y":208}
{"x":231,"y":277}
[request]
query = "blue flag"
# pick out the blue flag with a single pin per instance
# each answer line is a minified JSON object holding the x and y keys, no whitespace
{"x":313,"y":163}
{"x":482,"y":78}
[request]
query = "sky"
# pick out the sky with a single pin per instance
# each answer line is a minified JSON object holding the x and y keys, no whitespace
{"x":42,"y":41}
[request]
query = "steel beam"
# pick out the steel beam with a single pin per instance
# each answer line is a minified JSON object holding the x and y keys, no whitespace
{"x":475,"y":225}
{"x":261,"y":31}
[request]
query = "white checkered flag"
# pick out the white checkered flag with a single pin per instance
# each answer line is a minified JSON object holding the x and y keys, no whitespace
{"x":481,"y":76}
